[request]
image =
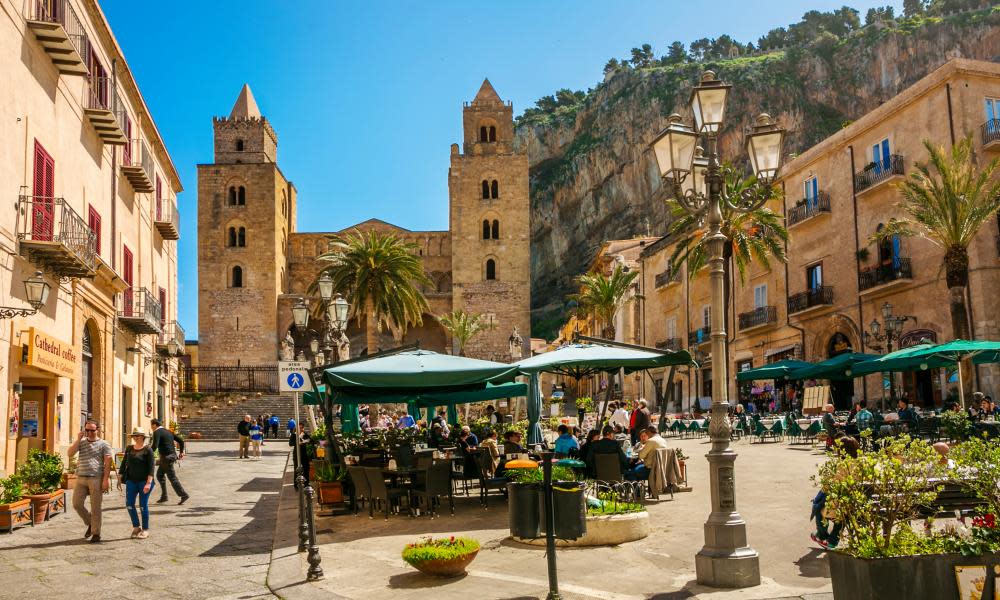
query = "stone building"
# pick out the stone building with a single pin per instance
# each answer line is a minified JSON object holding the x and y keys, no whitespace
{"x":837,"y":195}
{"x":254,"y":265}
{"x":90,"y":203}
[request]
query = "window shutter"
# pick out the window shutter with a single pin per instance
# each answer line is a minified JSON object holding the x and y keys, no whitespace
{"x":885,"y":154}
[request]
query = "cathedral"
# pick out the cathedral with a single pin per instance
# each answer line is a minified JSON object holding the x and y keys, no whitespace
{"x":253,"y":264}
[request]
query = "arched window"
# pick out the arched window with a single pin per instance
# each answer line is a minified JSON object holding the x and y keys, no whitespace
{"x":231,"y":238}
{"x":491,"y":270}
{"x":493,"y":133}
{"x":241,"y":237}
{"x":486,"y":229}
{"x":486,"y":190}
{"x":239,"y":145}
{"x":237,"y":279}
{"x":495,"y":230}
{"x":495,"y":189}
{"x":482,"y":134}
{"x":241,"y":196}
{"x":232,"y":196}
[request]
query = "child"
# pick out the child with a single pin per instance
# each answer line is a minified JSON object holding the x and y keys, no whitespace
{"x":256,"y":438}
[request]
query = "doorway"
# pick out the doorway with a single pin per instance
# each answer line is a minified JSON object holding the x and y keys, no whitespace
{"x":127,"y":412}
{"x":841,"y":390}
{"x":86,"y":378}
{"x":33,"y":428}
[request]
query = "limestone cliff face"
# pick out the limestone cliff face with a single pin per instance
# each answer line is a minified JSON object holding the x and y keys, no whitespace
{"x":593,"y":179}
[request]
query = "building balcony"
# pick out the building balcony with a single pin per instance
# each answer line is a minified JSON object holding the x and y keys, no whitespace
{"x":167,"y":219}
{"x":702,"y":335}
{"x":105,"y":111}
{"x":882,"y":277}
{"x":990,"y":132}
{"x":758,"y":317}
{"x":171,"y":334}
{"x":51,"y":235}
{"x":137,"y":166}
{"x":61,"y":34}
{"x":666,"y":278}
{"x":669,"y":344}
{"x":809,"y":208}
{"x":140,"y":312}
{"x":810,"y":299}
{"x":877,"y":174}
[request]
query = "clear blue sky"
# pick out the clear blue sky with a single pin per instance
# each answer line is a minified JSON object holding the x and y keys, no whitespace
{"x":366,"y":97}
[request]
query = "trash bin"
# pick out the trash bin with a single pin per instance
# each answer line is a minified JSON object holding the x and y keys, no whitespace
{"x":570,"y":508}
{"x":524,"y":509}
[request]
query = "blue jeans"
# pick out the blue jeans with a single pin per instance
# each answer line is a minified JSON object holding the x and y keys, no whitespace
{"x":133,"y":489}
{"x":637,"y":473}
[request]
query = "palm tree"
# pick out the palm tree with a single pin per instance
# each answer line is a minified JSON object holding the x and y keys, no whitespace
{"x":602,"y":296}
{"x":382,"y":275}
{"x":463,"y":327}
{"x":947,"y":206}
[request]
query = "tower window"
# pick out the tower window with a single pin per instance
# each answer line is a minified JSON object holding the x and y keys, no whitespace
{"x":241,"y":237}
{"x":493,"y":133}
{"x":231,"y":237}
{"x":486,"y":190}
{"x":483,"y":135}
{"x":239,"y":145}
{"x":495,"y":230}
{"x":241,"y":196}
{"x":491,"y":270}
{"x":494,"y":189}
{"x":231,"y":200}
{"x":486,"y":229}
{"x":237,"y":279}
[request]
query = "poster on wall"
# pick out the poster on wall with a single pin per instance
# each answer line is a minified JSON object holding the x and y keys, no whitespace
{"x":29,"y":419}
{"x":15,"y":410}
{"x":149,"y":404}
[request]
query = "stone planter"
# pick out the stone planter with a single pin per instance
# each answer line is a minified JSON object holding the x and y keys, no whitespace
{"x":194,"y":436}
{"x":68,"y":481}
{"x":445,"y":568}
{"x":330,"y":492}
{"x":929,"y":577}
{"x":606,"y":530}
{"x":15,"y":514}
{"x":46,"y":506}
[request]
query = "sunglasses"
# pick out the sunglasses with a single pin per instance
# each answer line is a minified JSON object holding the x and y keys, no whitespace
{"x":90,"y":430}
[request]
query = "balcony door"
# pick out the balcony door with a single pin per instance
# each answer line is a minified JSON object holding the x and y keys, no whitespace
{"x":811,"y":192}
{"x":992,"y":115}
{"x":814,"y":277}
{"x":43,"y":192}
{"x":881,"y":155}
{"x":127,"y":276}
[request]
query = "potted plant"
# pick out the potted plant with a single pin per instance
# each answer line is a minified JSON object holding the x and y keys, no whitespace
{"x":14,"y":509}
{"x":877,"y":496}
{"x":863,"y":254}
{"x":69,"y":477}
{"x":583,"y":406}
{"x":682,"y":461}
{"x":41,"y":475}
{"x":330,"y":489}
{"x":442,"y":557}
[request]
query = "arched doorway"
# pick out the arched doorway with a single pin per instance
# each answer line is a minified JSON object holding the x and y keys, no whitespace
{"x":841,"y":390}
{"x":87,"y":407}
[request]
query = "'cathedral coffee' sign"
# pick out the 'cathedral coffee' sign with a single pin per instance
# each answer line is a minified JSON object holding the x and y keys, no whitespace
{"x":51,"y":354}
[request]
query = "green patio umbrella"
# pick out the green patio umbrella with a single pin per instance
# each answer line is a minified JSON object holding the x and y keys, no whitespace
{"x":418,"y":370}
{"x":900,"y":360}
{"x":838,"y":367}
{"x":783,"y":369}
{"x":430,"y":398}
{"x":350,"y":422}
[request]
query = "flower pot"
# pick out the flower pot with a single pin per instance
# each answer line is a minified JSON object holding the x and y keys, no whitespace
{"x":452,"y":567}
{"x":68,"y":481}
{"x":15,"y":514}
{"x":45,"y":506}
{"x":330,"y":492}
{"x":195,"y":436}
{"x":927,"y":577}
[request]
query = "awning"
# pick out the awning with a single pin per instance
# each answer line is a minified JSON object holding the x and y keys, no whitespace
{"x":783,"y":369}
{"x":426,"y":398}
{"x":418,"y":370}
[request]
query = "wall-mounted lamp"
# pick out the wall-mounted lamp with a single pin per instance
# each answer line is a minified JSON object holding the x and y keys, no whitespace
{"x":36,"y":290}
{"x":18,"y":387}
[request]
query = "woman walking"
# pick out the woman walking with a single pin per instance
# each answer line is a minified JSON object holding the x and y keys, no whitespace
{"x":137,"y":472}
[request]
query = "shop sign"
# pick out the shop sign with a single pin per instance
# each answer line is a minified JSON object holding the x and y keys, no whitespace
{"x":51,"y":354}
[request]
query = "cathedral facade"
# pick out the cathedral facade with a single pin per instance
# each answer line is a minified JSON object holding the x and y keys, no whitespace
{"x":253,"y":265}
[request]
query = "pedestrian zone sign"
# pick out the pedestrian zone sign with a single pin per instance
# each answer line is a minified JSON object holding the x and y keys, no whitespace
{"x":293,"y":376}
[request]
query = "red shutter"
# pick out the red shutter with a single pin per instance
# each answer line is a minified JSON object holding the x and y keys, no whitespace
{"x":94,"y":222}
{"x":163,"y":308}
{"x":127,"y":276}
{"x":43,"y":204}
{"x":127,"y":148}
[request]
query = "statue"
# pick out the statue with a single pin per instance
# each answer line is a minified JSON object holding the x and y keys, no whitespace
{"x":343,"y":347}
{"x":288,"y":347}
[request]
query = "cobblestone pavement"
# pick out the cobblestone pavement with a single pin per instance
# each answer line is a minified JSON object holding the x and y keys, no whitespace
{"x":217,"y":545}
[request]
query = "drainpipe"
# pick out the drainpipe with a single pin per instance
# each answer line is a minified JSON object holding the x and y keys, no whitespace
{"x":788,"y":318}
{"x":951,"y":122}
{"x":857,"y":266}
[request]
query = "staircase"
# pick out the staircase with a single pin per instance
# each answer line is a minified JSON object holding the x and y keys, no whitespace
{"x":221,"y":424}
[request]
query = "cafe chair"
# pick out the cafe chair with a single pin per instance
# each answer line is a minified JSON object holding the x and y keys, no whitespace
{"x":362,"y":491}
{"x":607,"y":467}
{"x":487,"y":483}
{"x":387,"y":497}
{"x":436,"y":483}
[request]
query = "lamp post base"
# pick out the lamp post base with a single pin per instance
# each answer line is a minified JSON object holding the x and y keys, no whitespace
{"x":738,"y":570}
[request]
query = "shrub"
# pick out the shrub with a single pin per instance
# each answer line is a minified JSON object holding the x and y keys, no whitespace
{"x":537,"y":476}
{"x":41,"y":473}
{"x":978,"y":461}
{"x":439,"y":549}
{"x":11,"y":489}
{"x":327,"y":473}
{"x":956,"y":424}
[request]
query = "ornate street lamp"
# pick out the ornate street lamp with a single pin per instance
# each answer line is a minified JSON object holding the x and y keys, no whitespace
{"x":889,"y":331}
{"x":325,"y":285}
{"x":300,"y":314}
{"x":338,"y":312}
{"x":36,"y":290}
{"x":697,"y":184}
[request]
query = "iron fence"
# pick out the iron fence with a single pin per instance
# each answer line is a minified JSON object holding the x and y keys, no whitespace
{"x":240,"y":379}
{"x":809,"y":207}
{"x":899,"y":269}
{"x":763,"y":315}
{"x":47,"y":219}
{"x":61,"y":12}
{"x":820,"y":296}
{"x":879,"y":171}
{"x":990,"y":130}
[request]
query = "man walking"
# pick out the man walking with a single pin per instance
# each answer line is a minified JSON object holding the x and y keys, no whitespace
{"x":93,"y":470}
{"x":640,"y":421}
{"x":167,"y":445}
{"x":243,"y":428}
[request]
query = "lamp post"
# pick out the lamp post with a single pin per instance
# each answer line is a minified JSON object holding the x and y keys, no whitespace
{"x":698,"y":185}
{"x":36,"y":290}
{"x":888,"y":331}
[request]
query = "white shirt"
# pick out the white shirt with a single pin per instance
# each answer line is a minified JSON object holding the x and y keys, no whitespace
{"x":620,"y":417}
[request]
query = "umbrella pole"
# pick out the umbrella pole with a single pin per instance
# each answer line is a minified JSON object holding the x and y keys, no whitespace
{"x":961,"y":387}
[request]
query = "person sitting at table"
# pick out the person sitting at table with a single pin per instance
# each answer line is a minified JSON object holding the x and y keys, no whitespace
{"x":829,"y":425}
{"x":437,"y":437}
{"x":864,"y":418}
{"x":606,"y":445}
{"x":489,"y":445}
{"x":473,"y":439}
{"x":512,"y":443}
{"x":565,"y":442}
{"x":651,"y":442}
{"x":405,"y":421}
{"x":468,"y":452}
{"x":592,"y":436}
{"x":907,"y":416}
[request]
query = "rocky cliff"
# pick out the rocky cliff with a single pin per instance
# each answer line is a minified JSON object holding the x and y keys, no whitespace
{"x":593,"y":179}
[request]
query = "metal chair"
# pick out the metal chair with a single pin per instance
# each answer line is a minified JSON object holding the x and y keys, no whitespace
{"x":487,"y":483}
{"x":380,"y":492}
{"x":437,"y":483}
{"x":607,"y":467}
{"x":361,"y":488}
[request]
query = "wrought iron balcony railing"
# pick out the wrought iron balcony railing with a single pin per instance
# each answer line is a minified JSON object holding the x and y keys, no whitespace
{"x":52,"y":235}
{"x":879,"y":172}
{"x":702,"y":335}
{"x":60,"y":32}
{"x":137,"y":165}
{"x":171,"y":332}
{"x":820,"y":296}
{"x":899,"y":269}
{"x":106,"y":111}
{"x":666,"y":278}
{"x":809,"y":208}
{"x":758,"y":317}
{"x":166,"y":219}
{"x":669,"y":344}
{"x":990,"y":130}
{"x":140,"y":312}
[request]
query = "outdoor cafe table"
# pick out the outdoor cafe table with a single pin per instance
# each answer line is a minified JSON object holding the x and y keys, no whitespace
{"x":990,"y":429}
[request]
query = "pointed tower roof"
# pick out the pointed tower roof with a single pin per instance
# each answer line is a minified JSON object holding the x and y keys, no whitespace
{"x":487,"y":93}
{"x":246,"y":105}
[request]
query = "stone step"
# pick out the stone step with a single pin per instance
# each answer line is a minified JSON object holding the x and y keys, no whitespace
{"x":221,"y":424}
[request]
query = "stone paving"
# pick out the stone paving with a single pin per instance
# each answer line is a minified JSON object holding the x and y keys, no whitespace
{"x":216,"y":546}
